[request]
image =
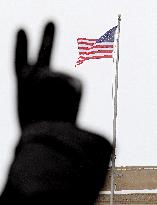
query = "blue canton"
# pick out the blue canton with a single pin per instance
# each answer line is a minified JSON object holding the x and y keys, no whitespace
{"x":108,"y":36}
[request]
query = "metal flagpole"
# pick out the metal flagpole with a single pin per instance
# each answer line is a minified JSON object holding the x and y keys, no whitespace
{"x":115,"y":119}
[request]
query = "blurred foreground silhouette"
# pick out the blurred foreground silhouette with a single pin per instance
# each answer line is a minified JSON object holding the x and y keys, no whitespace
{"x":55,"y":161}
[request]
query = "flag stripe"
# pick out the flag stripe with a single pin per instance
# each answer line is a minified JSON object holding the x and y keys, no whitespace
{"x":96,"y":57}
{"x":92,"y":57}
{"x":97,"y":46}
{"x":97,"y":43}
{"x":98,"y":51}
{"x":95,"y":49}
{"x":88,"y":39}
{"x":86,"y":43}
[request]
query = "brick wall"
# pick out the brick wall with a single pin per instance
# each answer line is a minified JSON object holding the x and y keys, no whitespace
{"x":130,"y":179}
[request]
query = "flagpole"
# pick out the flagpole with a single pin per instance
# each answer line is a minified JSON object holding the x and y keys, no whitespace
{"x":115,"y":119}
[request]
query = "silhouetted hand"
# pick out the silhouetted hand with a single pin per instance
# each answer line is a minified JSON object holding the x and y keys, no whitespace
{"x":43,"y":94}
{"x":54,"y":160}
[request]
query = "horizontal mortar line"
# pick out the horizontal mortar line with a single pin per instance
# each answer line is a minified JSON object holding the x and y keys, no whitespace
{"x":144,"y":191}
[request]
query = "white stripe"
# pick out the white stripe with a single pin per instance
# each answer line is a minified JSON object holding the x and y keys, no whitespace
{"x":86,"y":41}
{"x":136,"y":168}
{"x":144,"y":191}
{"x":96,"y":44}
{"x":96,"y":49}
{"x":105,"y":43}
{"x":85,"y":45}
{"x":91,"y":47}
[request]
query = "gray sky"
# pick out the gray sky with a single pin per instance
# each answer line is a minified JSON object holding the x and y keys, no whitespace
{"x":137,"y":99}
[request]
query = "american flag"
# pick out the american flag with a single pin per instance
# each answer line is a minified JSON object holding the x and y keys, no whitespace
{"x":96,"y":48}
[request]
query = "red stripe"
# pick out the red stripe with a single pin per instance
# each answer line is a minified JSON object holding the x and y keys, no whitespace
{"x":95,"y":57}
{"x":79,"y":62}
{"x":82,"y":42}
{"x":88,"y":39}
{"x":98,"y":51}
{"x":97,"y":46}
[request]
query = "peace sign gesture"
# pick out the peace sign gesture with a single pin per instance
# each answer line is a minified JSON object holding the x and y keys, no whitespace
{"x":21,"y":58}
{"x":43,"y":94}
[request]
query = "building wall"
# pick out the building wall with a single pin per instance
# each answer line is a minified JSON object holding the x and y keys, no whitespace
{"x":139,"y":182}
{"x":129,"y":199}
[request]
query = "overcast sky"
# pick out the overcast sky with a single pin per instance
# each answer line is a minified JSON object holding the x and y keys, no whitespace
{"x":137,"y":99}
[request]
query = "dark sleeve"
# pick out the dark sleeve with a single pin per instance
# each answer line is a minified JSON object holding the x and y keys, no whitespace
{"x":60,"y":163}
